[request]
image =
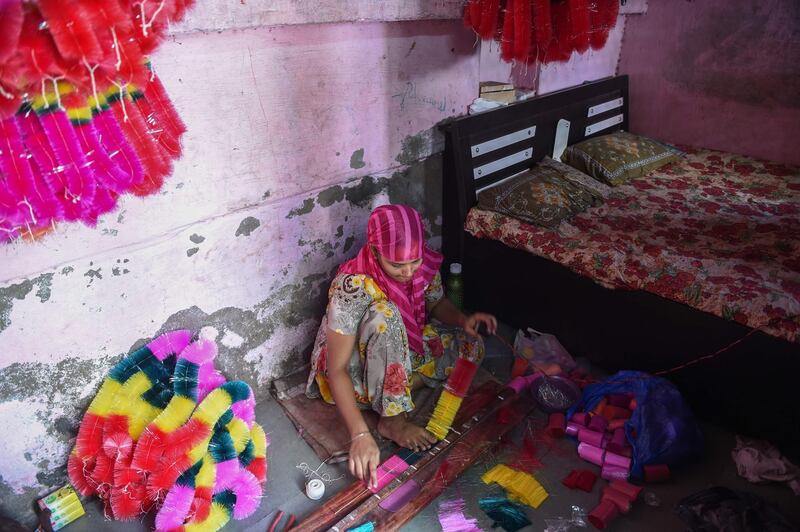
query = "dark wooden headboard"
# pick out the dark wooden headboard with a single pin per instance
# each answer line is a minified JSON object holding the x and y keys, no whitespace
{"x":485,"y":148}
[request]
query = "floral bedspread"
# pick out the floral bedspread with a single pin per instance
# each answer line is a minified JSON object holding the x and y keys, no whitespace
{"x":716,"y":231}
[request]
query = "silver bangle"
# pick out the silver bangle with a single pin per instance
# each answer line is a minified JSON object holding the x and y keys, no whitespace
{"x":363,"y":433}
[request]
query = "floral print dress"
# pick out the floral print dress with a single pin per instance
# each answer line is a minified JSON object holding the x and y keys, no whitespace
{"x":382,"y":364}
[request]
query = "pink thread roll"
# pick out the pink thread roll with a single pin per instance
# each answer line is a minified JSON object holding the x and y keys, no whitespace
{"x":622,"y":502}
{"x":555,"y":425}
{"x":590,"y":453}
{"x":612,"y":472}
{"x":617,"y":442}
{"x":581,"y":418}
{"x":573,"y":429}
{"x":603,"y":514}
{"x":461,"y":377}
{"x":591,"y":437}
{"x":631,"y":491}
{"x":520,"y":383}
{"x":598,"y":423}
{"x":613,"y":459}
{"x":388,"y":471}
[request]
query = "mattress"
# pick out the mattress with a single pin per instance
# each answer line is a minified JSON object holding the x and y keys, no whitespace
{"x":716,"y":231}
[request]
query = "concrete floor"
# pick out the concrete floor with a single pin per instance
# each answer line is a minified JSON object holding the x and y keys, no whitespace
{"x":285,"y":484}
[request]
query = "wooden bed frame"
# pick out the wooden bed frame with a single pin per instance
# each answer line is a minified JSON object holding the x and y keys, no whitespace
{"x":750,"y":387}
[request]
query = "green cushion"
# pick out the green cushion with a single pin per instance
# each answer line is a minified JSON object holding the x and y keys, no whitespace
{"x":545,"y":195}
{"x":618,"y":157}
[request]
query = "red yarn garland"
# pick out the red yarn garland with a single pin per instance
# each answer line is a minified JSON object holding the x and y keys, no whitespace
{"x":542,"y":30}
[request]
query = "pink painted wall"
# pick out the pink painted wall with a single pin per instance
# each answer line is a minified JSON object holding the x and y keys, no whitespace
{"x":720,"y":74}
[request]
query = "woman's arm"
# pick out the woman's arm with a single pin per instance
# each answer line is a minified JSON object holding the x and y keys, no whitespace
{"x":364,"y":453}
{"x":446,"y":312}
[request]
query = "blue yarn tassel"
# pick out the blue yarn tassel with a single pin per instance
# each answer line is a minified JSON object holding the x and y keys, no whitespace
{"x":504,"y":513}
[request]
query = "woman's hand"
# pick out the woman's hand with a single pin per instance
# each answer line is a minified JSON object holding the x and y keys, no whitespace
{"x":364,"y":458}
{"x":473,"y":321}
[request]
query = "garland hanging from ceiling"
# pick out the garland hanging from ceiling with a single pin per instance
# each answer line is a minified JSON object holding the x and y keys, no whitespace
{"x":83,"y":116}
{"x":542,"y":31}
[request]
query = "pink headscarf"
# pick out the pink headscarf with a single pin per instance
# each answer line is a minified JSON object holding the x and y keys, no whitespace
{"x":397,"y":233}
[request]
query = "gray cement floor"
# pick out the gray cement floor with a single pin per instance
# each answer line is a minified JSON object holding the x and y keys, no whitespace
{"x":285,"y":484}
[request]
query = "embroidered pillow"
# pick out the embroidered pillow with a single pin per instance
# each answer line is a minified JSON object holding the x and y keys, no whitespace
{"x":619,"y":157}
{"x":543,"y":195}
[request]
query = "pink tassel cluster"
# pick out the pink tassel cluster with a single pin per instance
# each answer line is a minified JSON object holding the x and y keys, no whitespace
{"x":83,"y":118}
{"x":151,"y":439}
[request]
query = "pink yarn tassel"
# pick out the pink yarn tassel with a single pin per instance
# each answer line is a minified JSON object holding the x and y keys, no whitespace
{"x":80,"y":182}
{"x":226,"y":474}
{"x":176,"y":507}
{"x":20,"y":179}
{"x":248,"y":494}
{"x":246,"y":410}
{"x":200,"y":351}
{"x":208,"y":380}
{"x":43,"y":157}
{"x":170,"y":343}
{"x":119,"y":149}
{"x":109,"y":174}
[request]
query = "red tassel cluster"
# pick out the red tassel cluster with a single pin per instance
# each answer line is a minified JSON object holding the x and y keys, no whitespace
{"x":83,"y":119}
{"x":542,"y":31}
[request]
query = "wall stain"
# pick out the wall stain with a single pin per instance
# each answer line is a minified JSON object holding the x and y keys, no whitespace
{"x":357,"y":159}
{"x":61,"y":393}
{"x":308,"y":206}
{"x":317,"y":246}
{"x":348,"y":243}
{"x":247,"y":226}
{"x":191,"y":251}
{"x":20,"y":291}
{"x":339,"y":231}
{"x":93,"y":274}
{"x":197,"y":239}
{"x":66,"y":270}
{"x":331,"y":195}
{"x":291,"y":306}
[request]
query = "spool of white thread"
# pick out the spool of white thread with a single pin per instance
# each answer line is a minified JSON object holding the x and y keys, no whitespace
{"x":315,"y":489}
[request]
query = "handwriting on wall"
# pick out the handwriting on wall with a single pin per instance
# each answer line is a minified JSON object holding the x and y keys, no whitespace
{"x":410,"y":95}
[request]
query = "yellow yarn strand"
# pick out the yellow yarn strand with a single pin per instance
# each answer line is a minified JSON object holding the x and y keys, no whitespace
{"x":444,"y":414}
{"x":175,"y":414}
{"x":239,"y":432}
{"x":259,"y":441}
{"x":218,"y":517}
{"x":521,"y":486}
{"x":208,"y":473}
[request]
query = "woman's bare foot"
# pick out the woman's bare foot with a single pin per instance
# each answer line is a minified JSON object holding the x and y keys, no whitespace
{"x":404,"y":433}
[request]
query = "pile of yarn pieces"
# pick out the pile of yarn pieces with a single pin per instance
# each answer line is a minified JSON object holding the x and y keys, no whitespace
{"x":543,"y":31}
{"x":83,"y":117}
{"x":167,"y":432}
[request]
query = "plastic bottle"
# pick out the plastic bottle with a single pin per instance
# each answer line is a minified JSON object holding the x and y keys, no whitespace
{"x":455,"y":286}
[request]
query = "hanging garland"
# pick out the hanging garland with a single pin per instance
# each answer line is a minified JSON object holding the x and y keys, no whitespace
{"x":542,"y":31}
{"x":83,"y":117}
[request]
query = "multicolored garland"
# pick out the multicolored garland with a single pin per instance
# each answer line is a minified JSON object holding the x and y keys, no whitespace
{"x":542,"y":31}
{"x":83,"y":117}
{"x":166,"y":431}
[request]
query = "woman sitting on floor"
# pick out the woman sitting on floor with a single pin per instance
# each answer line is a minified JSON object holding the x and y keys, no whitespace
{"x":374,"y":345}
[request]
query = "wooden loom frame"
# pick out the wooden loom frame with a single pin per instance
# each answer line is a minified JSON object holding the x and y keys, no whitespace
{"x":480,"y":429}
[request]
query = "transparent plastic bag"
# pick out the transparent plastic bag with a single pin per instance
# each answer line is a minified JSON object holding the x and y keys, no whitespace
{"x":542,"y":349}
